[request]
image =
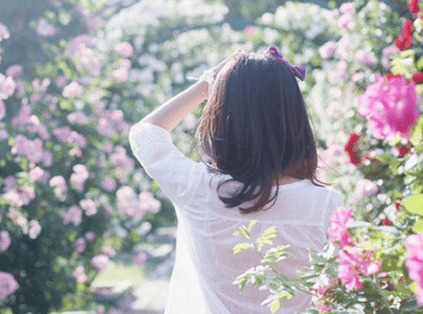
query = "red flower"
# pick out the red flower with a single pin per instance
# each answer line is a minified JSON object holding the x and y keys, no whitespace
{"x":404,"y":149}
{"x":407,"y":28}
{"x":352,"y":150}
{"x":403,"y":42}
{"x":417,"y":77}
{"x":391,"y":76}
{"x":414,"y":6}
{"x":386,"y":222}
{"x":398,"y":203}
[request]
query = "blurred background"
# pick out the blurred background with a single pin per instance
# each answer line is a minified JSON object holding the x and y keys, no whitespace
{"x":82,"y":227}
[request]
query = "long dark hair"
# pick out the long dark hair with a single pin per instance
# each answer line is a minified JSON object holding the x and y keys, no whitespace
{"x":255,"y":127}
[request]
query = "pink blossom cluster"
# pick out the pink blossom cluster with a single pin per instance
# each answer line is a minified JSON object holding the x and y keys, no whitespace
{"x":34,"y":229}
{"x":100,"y":262}
{"x":346,"y":21}
{"x":87,"y":60}
{"x":60,"y":188}
{"x":140,"y":258}
{"x":8,"y":285}
{"x":72,"y":90}
{"x":66,"y":135}
{"x":148,"y":203}
{"x":414,"y":262}
{"x":79,"y":274}
{"x":4,"y":240}
{"x":108,"y":250}
{"x":365,"y":188}
{"x":108,"y":184}
{"x":26,"y":121}
{"x":2,"y":109}
{"x":19,"y":220}
{"x":72,"y":215}
{"x":112,"y":122}
{"x":88,"y":206}
{"x":45,"y":29}
{"x":79,"y":176}
{"x":338,"y":230}
{"x":328,"y":49}
{"x":19,"y":196}
{"x":7,"y":86}
{"x":123,"y":163}
{"x":4,"y":32}
{"x":128,"y":204}
{"x":77,"y":117}
{"x":391,"y":107}
{"x":78,"y":43}
{"x":80,"y":245}
{"x":353,"y":261}
{"x":125,"y":49}
{"x":122,"y":73}
{"x":366,"y":58}
{"x":31,"y":149}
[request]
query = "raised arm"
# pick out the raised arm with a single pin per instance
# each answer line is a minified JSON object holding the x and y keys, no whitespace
{"x":176,"y":109}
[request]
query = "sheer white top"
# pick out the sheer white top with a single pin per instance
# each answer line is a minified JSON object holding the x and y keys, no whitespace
{"x":205,"y":266}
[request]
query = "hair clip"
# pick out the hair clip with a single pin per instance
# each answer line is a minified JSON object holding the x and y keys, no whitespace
{"x":298,"y":71}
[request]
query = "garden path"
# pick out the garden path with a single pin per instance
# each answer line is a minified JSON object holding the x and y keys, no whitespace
{"x":151,"y":295}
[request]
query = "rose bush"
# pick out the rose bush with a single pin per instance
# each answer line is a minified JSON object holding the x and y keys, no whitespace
{"x":373,"y":152}
{"x":70,"y":195}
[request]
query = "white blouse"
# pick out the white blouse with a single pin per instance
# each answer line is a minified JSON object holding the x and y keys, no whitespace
{"x":205,"y":266}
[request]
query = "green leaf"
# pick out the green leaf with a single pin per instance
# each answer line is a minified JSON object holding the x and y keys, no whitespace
{"x":284,"y":295}
{"x":241,"y":246}
{"x":251,"y":224}
{"x":418,"y":226}
{"x":275,"y":305}
{"x":269,"y":233}
{"x":416,"y":136}
{"x":414,"y":204}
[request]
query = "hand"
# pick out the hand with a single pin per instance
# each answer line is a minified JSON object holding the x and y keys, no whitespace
{"x":210,"y":75}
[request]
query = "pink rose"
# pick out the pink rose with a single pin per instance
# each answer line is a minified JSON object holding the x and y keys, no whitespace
{"x":338,"y":230}
{"x":391,"y":107}
{"x":353,"y":262}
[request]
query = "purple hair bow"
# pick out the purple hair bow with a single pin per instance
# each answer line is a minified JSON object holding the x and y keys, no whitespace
{"x":298,"y":71}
